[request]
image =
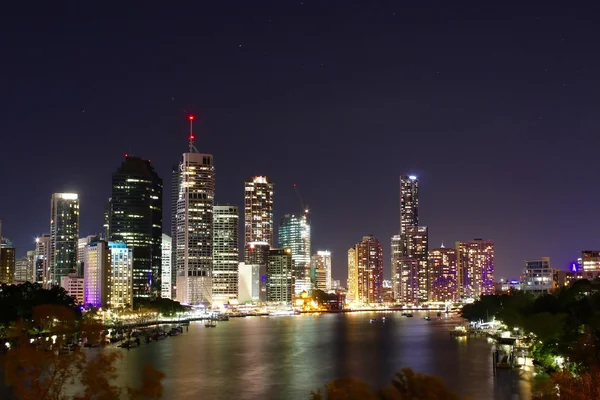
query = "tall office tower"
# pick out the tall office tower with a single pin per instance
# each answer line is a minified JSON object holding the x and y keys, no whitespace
{"x":352,"y":294}
{"x":258,"y":210}
{"x":369,"y":270}
{"x":166,"y":290}
{"x":417,"y":239}
{"x":42,"y":260}
{"x":321,"y":267}
{"x":120,"y":293}
{"x":107,"y":215}
{"x":409,"y":208}
{"x":280,"y":276}
{"x":442,"y":264}
{"x":226,"y":252}
{"x":396,"y":256}
{"x":194,"y":233}
{"x":175,"y":186}
{"x":408,"y":270}
{"x":256,"y":257}
{"x":64,"y":235}
{"x":475,"y":267}
{"x":294,"y":234}
{"x":136,"y":218}
{"x":7,"y":262}
{"x":97,"y":274}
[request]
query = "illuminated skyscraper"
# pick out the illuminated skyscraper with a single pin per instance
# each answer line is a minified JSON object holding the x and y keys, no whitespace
{"x":396,"y":270}
{"x":64,"y":235}
{"x":475,"y":267}
{"x":408,"y":270}
{"x":294,"y":234}
{"x":369,"y":256}
{"x":136,"y":218}
{"x":280,"y":277}
{"x":442,"y":264}
{"x":417,"y":239}
{"x":194,"y":226}
{"x":258,"y":210}
{"x":97,"y":274}
{"x":166,"y":290}
{"x":409,"y":208}
{"x":24,"y":268}
{"x":352,"y":274}
{"x":226,"y":256}
{"x":7,"y":262}
{"x":321,"y":269}
{"x":42,"y":260}
{"x":121,"y":275}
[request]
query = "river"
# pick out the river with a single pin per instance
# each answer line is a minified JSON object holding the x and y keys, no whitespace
{"x":285,"y":357}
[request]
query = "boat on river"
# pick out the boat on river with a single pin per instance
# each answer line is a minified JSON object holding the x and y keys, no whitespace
{"x":210,"y":324}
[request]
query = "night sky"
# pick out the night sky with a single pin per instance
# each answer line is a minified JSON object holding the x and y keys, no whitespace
{"x":494,"y":106}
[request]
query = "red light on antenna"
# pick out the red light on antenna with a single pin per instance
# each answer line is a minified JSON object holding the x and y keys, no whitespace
{"x":191,"y":117}
{"x":192,"y":137}
{"x":294,"y":185}
{"x":126,"y":155}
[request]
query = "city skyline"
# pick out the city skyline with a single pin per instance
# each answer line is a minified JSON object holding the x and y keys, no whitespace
{"x":265,"y":84}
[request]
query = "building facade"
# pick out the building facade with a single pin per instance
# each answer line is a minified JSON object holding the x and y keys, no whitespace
{"x":258,"y":210}
{"x":475,"y":268}
{"x":74,"y":285}
{"x":280,"y":276}
{"x":64,"y":236}
{"x":7,"y":262}
{"x":408,"y":271}
{"x":321,"y":270}
{"x":443,"y":264}
{"x":294,"y":234}
{"x":538,"y":277}
{"x":248,"y":283}
{"x":369,"y":257}
{"x":136,"y":218}
{"x":417,"y":240}
{"x":226,"y":257}
{"x":352,"y":294}
{"x":23,"y":270}
{"x":166,"y":288}
{"x":396,"y":248}
{"x":121,"y":275}
{"x":256,"y":257}
{"x":42,"y":260}
{"x":97,"y":275}
{"x":194,"y":228}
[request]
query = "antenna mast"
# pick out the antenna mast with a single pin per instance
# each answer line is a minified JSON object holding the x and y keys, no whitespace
{"x":304,"y":208}
{"x":193,"y":148}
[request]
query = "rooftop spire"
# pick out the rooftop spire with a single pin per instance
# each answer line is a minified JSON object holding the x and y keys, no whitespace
{"x":193,"y":148}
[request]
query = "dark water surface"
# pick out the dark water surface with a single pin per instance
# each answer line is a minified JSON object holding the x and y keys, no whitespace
{"x":285,"y":357}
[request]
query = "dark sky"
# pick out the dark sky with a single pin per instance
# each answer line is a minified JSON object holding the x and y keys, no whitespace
{"x":494,"y":106}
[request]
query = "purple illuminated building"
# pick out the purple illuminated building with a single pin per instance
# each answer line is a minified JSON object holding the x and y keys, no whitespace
{"x":475,"y":268}
{"x":442,"y":264}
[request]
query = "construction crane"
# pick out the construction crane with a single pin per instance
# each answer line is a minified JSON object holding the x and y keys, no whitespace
{"x":304,"y":208}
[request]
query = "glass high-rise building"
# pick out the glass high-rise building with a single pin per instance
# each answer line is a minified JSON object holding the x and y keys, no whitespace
{"x":475,"y":268}
{"x":7,"y":262}
{"x":258,"y":210}
{"x":96,"y":278}
{"x":135,"y":217}
{"x":193,"y":236}
{"x":64,"y":236}
{"x":294,"y":234}
{"x":42,"y":260}
{"x":396,"y":247}
{"x":417,"y":239}
{"x":352,"y":275}
{"x":369,"y":257}
{"x":280,"y":276}
{"x":256,"y":257}
{"x":409,"y":207}
{"x":226,"y":256}
{"x":442,"y":264}
{"x":166,"y":290}
{"x":321,"y":270}
{"x":121,"y":275}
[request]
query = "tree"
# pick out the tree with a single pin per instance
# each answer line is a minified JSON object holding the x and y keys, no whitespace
{"x":406,"y":385}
